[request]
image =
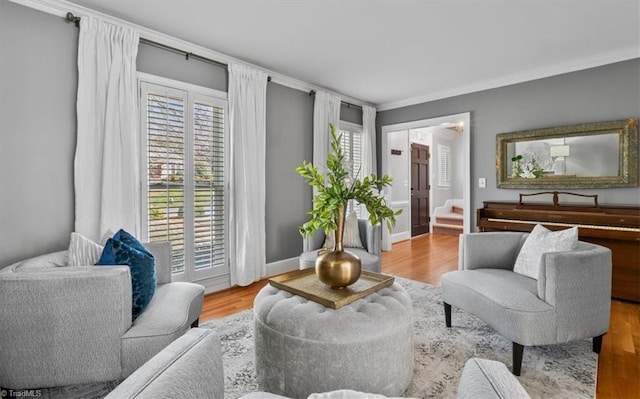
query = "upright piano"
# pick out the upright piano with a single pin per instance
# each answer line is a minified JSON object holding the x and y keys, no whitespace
{"x":616,"y":227}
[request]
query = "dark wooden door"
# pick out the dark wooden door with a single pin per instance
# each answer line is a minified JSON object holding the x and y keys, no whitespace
{"x":419,"y":189}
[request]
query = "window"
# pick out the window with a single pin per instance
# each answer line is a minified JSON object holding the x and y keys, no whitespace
{"x":351,"y":143}
{"x":184,"y":191}
{"x":444,"y":169}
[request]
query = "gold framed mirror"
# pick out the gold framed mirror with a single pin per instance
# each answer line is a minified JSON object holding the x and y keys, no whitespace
{"x":592,"y":155}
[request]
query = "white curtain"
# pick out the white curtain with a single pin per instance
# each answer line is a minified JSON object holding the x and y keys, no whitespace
{"x":368,"y":147}
{"x":368,"y":140}
{"x":247,"y":122}
{"x":326,"y":109}
{"x":107,"y":156}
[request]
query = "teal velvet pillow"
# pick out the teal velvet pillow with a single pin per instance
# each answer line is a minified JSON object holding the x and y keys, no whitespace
{"x":142,"y":265}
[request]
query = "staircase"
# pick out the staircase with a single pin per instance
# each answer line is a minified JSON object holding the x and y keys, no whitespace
{"x":449,"y":223}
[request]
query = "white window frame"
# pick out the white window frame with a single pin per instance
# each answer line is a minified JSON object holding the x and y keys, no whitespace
{"x":217,"y":277}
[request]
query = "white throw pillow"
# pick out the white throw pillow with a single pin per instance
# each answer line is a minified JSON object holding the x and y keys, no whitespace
{"x":83,"y":251}
{"x":107,"y":234}
{"x":540,"y":241}
{"x":351,"y":236}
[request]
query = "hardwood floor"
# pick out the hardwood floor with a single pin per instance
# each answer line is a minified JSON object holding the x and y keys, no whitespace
{"x":426,"y":258}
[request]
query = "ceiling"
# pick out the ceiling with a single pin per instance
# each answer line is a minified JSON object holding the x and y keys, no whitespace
{"x":392,"y":53}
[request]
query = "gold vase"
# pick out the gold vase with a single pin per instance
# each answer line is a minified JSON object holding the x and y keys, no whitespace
{"x":338,"y":268}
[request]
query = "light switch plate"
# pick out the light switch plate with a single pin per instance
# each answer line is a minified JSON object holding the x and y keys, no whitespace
{"x":482,"y":182}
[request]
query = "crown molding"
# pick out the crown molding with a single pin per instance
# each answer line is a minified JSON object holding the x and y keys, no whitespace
{"x":61,"y":7}
{"x":611,"y":57}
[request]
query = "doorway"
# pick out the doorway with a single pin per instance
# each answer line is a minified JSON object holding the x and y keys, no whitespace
{"x":420,"y":189}
{"x":396,"y":162}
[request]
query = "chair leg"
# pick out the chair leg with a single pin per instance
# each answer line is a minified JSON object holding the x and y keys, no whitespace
{"x":195,"y":323}
{"x":597,"y":343}
{"x":517,"y":358}
{"x":447,"y":314}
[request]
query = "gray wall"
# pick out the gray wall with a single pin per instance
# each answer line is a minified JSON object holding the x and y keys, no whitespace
{"x":39,"y":72}
{"x":605,"y":93}
{"x":350,"y":114}
{"x":38,"y":78}
{"x":175,"y":66}
{"x":289,"y":142}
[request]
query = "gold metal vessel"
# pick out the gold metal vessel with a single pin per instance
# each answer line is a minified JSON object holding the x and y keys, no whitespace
{"x":338,"y":268}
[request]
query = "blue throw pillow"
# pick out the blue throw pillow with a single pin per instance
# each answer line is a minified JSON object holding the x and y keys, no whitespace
{"x":125,"y":237}
{"x":143,"y":271}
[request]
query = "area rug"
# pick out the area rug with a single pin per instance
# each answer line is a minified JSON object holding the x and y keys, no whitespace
{"x":556,"y":371}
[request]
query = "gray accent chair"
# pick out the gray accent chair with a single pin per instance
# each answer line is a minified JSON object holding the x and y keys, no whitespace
{"x":72,"y":325}
{"x":371,"y":237}
{"x":570,"y":300}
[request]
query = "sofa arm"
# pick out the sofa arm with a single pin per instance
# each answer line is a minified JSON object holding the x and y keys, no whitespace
{"x":578,"y":284}
{"x":313,"y":242}
{"x":371,"y":236}
{"x":489,"y":250}
{"x":56,"y":322}
{"x":190,"y":367}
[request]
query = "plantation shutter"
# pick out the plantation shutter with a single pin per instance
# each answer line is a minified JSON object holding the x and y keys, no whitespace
{"x":351,"y":144}
{"x":186,"y":189}
{"x":209,"y":206}
{"x":165,"y":172}
{"x":356,"y":154}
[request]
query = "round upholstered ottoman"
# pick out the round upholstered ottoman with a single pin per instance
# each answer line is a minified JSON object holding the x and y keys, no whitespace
{"x":303,"y":347}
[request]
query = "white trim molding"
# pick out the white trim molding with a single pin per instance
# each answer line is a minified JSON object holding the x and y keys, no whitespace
{"x":218,"y":283}
{"x":465,"y":118}
{"x":282,"y":266}
{"x":597,"y":60}
{"x":402,"y":236}
{"x":396,"y":236}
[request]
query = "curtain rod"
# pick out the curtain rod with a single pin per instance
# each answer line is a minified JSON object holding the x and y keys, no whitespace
{"x":76,"y":20}
{"x":349,"y":105}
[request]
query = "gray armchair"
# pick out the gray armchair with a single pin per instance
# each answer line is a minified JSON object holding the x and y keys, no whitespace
{"x":72,"y":325}
{"x":190,"y":367}
{"x":370,"y":236}
{"x":570,"y":300}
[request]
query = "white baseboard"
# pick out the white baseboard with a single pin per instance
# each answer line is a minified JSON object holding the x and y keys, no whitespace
{"x":214,"y":284}
{"x":218,"y":283}
{"x":282,"y":266}
{"x":405,"y":235}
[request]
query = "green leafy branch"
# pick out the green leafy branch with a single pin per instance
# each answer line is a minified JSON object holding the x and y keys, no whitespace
{"x":333,"y":191}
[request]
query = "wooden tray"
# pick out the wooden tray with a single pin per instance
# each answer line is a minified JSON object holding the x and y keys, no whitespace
{"x":305,"y":283}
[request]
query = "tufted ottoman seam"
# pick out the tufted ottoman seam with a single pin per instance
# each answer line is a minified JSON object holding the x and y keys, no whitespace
{"x":367,"y":338}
